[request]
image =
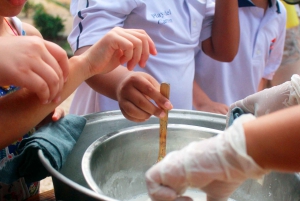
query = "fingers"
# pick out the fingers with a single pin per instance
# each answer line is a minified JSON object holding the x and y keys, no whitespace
{"x":136,"y":45}
{"x":167,"y":179}
{"x":155,"y":190}
{"x":44,"y":69}
{"x":57,"y":59}
{"x":61,"y":57}
{"x":142,"y":53}
{"x":137,"y":96}
{"x":224,"y":109}
{"x":58,"y":114}
{"x":117,"y":47}
{"x":220,"y":190}
{"x":39,"y":66}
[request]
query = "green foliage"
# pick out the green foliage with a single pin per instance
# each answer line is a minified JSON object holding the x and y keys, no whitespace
{"x":49,"y":25}
{"x":28,"y":8}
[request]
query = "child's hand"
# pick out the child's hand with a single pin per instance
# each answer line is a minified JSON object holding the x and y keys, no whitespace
{"x":35,"y":64}
{"x":118,"y":47}
{"x":56,"y":115}
{"x":214,"y":107}
{"x":134,"y":95}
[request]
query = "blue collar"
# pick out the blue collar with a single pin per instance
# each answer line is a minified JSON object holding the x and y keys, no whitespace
{"x":248,"y":3}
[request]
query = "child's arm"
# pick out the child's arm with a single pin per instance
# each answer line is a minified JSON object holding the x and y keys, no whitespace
{"x":132,"y":90}
{"x":22,"y":110}
{"x":225,"y":35}
{"x":262,"y":84}
{"x":273,"y":140}
{"x":203,"y":103}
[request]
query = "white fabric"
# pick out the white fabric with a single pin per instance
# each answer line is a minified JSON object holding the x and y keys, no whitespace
{"x":174,"y":25}
{"x":17,"y":25}
{"x":257,"y":56}
{"x":217,"y":166}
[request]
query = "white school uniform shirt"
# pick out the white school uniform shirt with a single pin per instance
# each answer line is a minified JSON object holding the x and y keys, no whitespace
{"x":259,"y":55}
{"x":174,"y":26}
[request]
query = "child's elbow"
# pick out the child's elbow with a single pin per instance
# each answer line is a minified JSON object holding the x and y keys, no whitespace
{"x":228,"y":57}
{"x":221,"y":54}
{"x":224,"y":56}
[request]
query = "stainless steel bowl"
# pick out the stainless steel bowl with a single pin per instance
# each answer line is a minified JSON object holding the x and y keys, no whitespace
{"x":115,"y":164}
{"x":69,"y":182}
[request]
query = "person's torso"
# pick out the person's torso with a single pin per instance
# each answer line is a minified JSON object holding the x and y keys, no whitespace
{"x":175,"y":28}
{"x":228,"y":82}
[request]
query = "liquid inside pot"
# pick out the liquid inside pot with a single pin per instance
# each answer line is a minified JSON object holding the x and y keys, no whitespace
{"x":195,"y":194}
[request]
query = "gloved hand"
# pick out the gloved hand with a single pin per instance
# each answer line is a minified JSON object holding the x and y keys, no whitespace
{"x":270,"y":100}
{"x":216,"y":165}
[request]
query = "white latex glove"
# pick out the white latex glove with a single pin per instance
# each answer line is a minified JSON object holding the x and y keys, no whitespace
{"x":217,"y":166}
{"x":271,"y":99}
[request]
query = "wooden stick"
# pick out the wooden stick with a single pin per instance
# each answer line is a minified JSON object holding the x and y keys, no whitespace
{"x":163,"y":122}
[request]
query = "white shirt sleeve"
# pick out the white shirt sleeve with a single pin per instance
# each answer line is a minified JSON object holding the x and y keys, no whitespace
{"x":275,"y":57}
{"x":89,"y":14}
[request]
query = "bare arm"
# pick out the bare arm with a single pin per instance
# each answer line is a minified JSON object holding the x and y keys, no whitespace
{"x":105,"y":84}
{"x":262,"y":84}
{"x":132,"y":90}
{"x":21,"y":110}
{"x":273,"y":140}
{"x":224,"y":41}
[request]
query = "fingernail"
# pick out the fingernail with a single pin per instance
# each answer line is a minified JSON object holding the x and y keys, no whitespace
{"x":162,"y":114}
{"x":56,"y":100}
{"x":55,"y":117}
{"x":168,"y":105}
{"x":45,"y":102}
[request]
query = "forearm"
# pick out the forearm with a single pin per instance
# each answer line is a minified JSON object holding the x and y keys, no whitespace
{"x":262,"y":84}
{"x":22,"y":110}
{"x":273,"y":140}
{"x":199,"y":97}
{"x":225,"y":34}
{"x":107,"y":84}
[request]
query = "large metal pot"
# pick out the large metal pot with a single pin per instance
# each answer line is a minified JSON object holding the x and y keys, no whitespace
{"x":115,"y":164}
{"x":69,"y":182}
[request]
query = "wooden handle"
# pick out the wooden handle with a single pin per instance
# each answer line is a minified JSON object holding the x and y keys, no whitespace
{"x":165,"y":91}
